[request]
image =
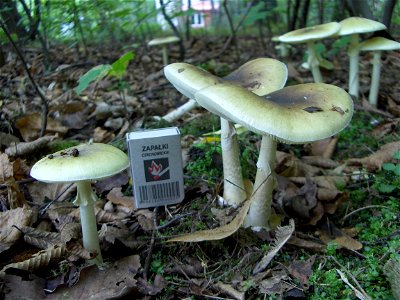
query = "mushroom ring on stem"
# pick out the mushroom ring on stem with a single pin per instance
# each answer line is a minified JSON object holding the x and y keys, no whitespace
{"x":260,"y":76}
{"x":296,"y":114}
{"x":81,"y":165}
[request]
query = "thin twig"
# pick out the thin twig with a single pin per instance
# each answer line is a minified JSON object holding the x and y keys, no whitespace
{"x":362,"y":208}
{"x":151,"y":247}
{"x":45,"y":106}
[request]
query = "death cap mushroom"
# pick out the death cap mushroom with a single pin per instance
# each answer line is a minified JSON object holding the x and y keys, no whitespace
{"x":295,"y":114}
{"x":83,"y":162}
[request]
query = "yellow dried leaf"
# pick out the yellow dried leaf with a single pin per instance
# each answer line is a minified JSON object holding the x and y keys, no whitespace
{"x":39,"y":260}
{"x":222,"y":231}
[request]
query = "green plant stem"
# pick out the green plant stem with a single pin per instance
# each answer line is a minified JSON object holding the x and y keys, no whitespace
{"x":234,"y":192}
{"x":313,"y":63}
{"x":376,"y":74}
{"x":85,"y":198}
{"x":260,"y":210}
{"x":353,"y":53}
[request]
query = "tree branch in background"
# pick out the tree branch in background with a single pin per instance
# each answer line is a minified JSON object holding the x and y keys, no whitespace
{"x":174,"y":29}
{"x":34,"y":30}
{"x":77,"y":24}
{"x":45,"y":106}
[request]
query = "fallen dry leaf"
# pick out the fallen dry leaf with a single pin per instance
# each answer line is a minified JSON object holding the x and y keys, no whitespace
{"x":375,"y":161}
{"x":30,"y":124}
{"x":115,"y":281}
{"x":118,"y":198}
{"x":18,"y":217}
{"x":282,"y":234}
{"x":330,"y":233}
{"x":302,"y":270}
{"x":18,"y":287}
{"x":6,"y":168}
{"x":324,"y":148}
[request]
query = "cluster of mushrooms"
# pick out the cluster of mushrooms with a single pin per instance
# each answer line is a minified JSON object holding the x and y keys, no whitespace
{"x":254,"y":96}
{"x":353,"y":27}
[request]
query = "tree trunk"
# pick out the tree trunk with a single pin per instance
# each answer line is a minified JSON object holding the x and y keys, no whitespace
{"x":388,"y":11}
{"x":304,"y":15}
{"x":360,"y":8}
{"x":12,"y":18}
{"x":295,"y":11}
{"x":174,"y":29}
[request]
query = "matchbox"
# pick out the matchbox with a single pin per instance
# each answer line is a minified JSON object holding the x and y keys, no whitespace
{"x":156,"y":165}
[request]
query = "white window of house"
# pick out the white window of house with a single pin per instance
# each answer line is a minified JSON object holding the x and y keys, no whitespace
{"x":198,"y":20}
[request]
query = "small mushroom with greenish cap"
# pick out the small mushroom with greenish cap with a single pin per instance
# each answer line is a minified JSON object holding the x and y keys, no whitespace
{"x":309,"y":35}
{"x":296,"y":114}
{"x":81,"y":165}
{"x":164,"y":41}
{"x":354,"y":26}
{"x":260,"y":76}
{"x":377,"y":45}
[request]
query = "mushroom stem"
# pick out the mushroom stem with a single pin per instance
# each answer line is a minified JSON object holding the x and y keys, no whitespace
{"x":85,"y":198}
{"x":376,"y":73}
{"x":165,"y":55}
{"x":234,"y":191}
{"x":180,"y":111}
{"x":353,"y":53}
{"x":313,"y":63}
{"x":260,"y":209}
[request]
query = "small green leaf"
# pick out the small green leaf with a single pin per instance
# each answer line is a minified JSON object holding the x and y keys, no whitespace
{"x":96,"y":73}
{"x":396,"y":155}
{"x":119,"y":66}
{"x":388,"y":167}
{"x":386,"y":188}
{"x":397,"y":170}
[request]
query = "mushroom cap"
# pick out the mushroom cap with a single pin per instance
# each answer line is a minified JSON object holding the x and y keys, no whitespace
{"x":354,"y":25}
{"x":310,"y":33}
{"x":189,"y":79}
{"x":163,"y":40}
{"x":379,"y":44}
{"x":91,"y":162}
{"x":261,"y":76}
{"x":295,"y":114}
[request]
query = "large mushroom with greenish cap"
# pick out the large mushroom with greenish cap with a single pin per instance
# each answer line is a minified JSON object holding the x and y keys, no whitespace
{"x":259,"y":76}
{"x":354,"y":26}
{"x":163,"y":42}
{"x":296,"y":114}
{"x":309,"y":35}
{"x":377,"y":45}
{"x":81,"y":165}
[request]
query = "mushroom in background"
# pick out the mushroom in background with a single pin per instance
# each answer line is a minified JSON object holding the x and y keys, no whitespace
{"x":377,"y":45}
{"x":296,"y":114}
{"x":354,"y":26}
{"x":164,"y":41}
{"x":81,"y":165}
{"x":309,"y":35}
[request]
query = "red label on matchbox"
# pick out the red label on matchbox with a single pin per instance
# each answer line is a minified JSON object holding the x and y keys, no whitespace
{"x":156,"y":165}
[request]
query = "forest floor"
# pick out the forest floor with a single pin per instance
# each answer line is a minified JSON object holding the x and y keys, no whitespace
{"x":342,"y":192}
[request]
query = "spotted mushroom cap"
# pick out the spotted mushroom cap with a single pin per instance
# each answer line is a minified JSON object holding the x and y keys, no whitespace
{"x":310,"y":33}
{"x":261,"y":76}
{"x":83,"y":162}
{"x":295,"y":114}
{"x":355,"y":25}
{"x":163,"y":40}
{"x":379,"y":44}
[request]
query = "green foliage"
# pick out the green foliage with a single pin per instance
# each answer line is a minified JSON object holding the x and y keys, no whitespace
{"x":388,"y":180}
{"x":117,"y":69}
{"x":257,"y":12}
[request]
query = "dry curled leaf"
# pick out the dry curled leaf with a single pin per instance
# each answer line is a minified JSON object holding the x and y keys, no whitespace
{"x":282,"y":235}
{"x":38,"y":260}
{"x":19,"y":217}
{"x":375,"y":161}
